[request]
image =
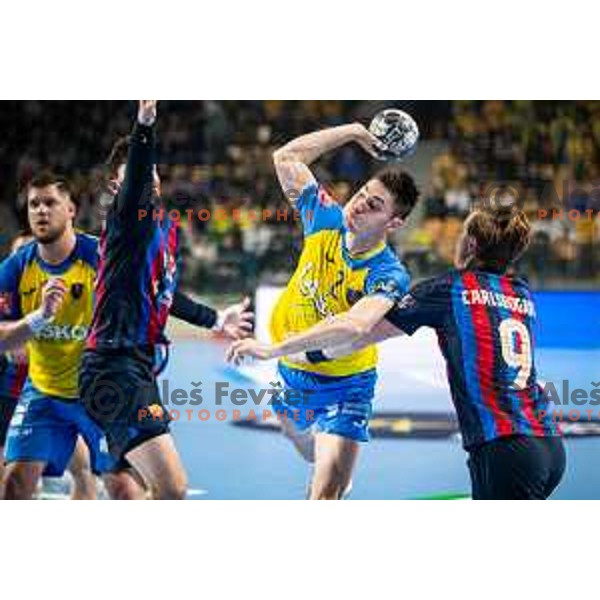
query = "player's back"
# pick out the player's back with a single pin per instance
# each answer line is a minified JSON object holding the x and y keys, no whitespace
{"x":488,"y":342}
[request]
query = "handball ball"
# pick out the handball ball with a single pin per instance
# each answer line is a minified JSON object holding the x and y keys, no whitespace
{"x":397,"y":132}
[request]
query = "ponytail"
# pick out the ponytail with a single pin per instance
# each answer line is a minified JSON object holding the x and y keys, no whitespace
{"x":501,"y":236}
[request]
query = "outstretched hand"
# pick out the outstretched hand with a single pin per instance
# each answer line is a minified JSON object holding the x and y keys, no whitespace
{"x":249,"y":347}
{"x":237,"y":320}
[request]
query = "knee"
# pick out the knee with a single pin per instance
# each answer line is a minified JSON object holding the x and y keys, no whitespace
{"x":327,"y":493}
{"x":84,"y":486}
{"x":123,"y":487}
{"x":123,"y":492}
{"x":175,"y":488}
{"x":331,"y":489}
{"x":21,"y":482}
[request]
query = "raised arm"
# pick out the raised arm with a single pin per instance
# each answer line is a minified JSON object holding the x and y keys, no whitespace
{"x":136,"y":192}
{"x":293,"y":160}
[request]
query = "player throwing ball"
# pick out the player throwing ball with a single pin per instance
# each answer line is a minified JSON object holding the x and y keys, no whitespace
{"x":346,"y":262}
{"x":484,"y":318}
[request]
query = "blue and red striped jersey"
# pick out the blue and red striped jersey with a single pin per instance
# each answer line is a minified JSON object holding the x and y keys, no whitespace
{"x":13,"y":374}
{"x":485,"y":327}
{"x":137,"y":271}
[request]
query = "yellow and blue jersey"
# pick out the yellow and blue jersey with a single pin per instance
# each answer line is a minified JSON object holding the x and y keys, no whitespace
{"x":329,"y":280}
{"x":55,"y":353}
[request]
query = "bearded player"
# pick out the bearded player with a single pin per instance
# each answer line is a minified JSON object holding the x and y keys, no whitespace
{"x":47,"y":293}
{"x":47,"y":290}
{"x":346,"y":262}
{"x":13,"y":375}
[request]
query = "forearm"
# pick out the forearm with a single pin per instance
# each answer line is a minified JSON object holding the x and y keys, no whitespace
{"x":192,"y":312}
{"x":338,"y":331}
{"x":136,"y":192}
{"x":342,"y":329}
{"x":381,"y":332}
{"x":308,"y":148}
{"x":14,"y":334}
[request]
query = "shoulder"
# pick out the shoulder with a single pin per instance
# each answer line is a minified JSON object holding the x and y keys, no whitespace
{"x":388,"y":258}
{"x":387,"y":275}
{"x":319,"y":209}
{"x":437,"y":285}
{"x":388,"y":262}
{"x":88,"y":240}
{"x":16,"y":262}
{"x":88,"y":247}
{"x":520,"y":283}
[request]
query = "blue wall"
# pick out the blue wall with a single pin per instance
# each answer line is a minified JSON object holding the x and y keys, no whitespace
{"x":568,"y":319}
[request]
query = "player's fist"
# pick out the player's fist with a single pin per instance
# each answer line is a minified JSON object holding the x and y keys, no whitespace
{"x":147,"y":112}
{"x":53,"y":296}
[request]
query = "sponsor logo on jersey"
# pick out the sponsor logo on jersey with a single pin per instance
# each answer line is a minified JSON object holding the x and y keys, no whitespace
{"x":77,"y":290}
{"x":487,"y":298}
{"x":64,"y":333}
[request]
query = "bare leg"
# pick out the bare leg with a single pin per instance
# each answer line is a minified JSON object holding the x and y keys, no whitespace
{"x":84,"y":481}
{"x":125,"y":485}
{"x":159,"y":465}
{"x":335,"y":460}
{"x":303,"y":441}
{"x":21,"y":480}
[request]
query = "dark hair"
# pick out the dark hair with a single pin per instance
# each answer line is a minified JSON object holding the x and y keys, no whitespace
{"x":118,"y":155}
{"x":501,"y":235}
{"x":46,"y":178}
{"x":402,"y":186}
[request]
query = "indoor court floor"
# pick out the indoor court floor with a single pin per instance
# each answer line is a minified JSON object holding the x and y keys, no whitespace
{"x":225,"y":461}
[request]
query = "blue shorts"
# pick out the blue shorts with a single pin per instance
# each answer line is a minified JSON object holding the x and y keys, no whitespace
{"x":45,"y":429}
{"x":336,"y":405}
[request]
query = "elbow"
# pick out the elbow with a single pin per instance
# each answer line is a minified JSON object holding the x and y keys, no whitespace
{"x":282,"y":155}
{"x":277,"y":155}
{"x":360,"y":331}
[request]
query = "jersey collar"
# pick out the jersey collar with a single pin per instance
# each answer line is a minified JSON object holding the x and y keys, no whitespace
{"x":61,"y":267}
{"x":361,"y":257}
